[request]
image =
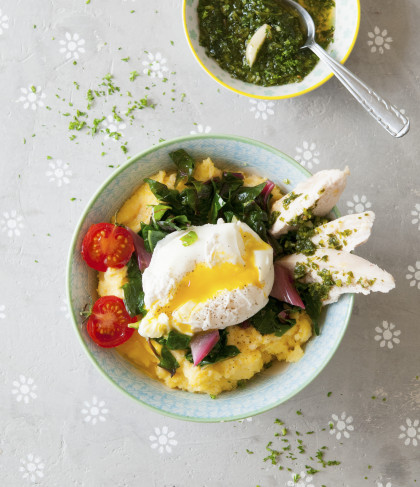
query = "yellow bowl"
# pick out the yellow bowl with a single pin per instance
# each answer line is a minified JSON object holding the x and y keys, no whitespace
{"x":347,"y":20}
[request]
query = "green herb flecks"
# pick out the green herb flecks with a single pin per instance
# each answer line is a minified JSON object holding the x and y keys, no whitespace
{"x":227,"y":26}
{"x":189,"y":238}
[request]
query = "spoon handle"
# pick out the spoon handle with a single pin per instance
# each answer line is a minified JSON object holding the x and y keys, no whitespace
{"x":391,"y":119}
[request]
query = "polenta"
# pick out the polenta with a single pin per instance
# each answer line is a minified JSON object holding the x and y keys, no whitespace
{"x":256,"y":350}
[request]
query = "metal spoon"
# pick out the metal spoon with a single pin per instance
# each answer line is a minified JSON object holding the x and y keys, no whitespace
{"x":391,"y":119}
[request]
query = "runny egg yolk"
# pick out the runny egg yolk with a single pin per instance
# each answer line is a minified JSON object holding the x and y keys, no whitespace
{"x":204,"y":282}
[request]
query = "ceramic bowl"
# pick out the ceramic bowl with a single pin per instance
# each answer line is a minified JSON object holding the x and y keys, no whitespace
{"x":269,"y":388}
{"x":347,"y":20}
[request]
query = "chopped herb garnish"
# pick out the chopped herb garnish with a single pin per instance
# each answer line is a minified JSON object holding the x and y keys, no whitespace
{"x":133,"y":75}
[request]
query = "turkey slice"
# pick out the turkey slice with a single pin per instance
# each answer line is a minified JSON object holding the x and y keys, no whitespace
{"x":315,"y":196}
{"x":351,"y":273}
{"x":345,"y":233}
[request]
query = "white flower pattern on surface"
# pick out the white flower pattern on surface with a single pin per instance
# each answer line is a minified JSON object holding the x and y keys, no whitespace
{"x":155,"y":66}
{"x":59,"y":172}
{"x":32,"y":97}
{"x":416,"y":215}
{"x":414,"y":276}
{"x":307,"y":155}
{"x":94,"y":411}
{"x":24,"y":389}
{"x":201,"y":129}
{"x":163,"y":440}
{"x":112,"y":126}
{"x":261,"y":108}
{"x":32,"y":468}
{"x":4,"y":22}
{"x":248,"y":420}
{"x":341,"y":426}
{"x":410,"y":432}
{"x":72,"y":46}
{"x":387,"y":335}
{"x":2,"y":312}
{"x":11,"y":223}
{"x":358,"y":205}
{"x":379,"y":40}
{"x":380,"y":484}
{"x":300,"y":480}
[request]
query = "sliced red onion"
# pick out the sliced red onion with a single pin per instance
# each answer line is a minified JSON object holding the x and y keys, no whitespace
{"x":245,"y":324}
{"x":143,"y":257}
{"x":202,"y":344}
{"x":269,"y":185}
{"x":283,"y":287}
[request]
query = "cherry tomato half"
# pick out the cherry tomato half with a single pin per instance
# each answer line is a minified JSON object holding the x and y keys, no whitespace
{"x":106,"y":245}
{"x":107,"y":325}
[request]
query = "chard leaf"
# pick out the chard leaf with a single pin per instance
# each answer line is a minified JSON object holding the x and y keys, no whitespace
{"x":168,"y":361}
{"x":179,"y":222}
{"x":311,"y":295}
{"x":256,"y":218}
{"x":188,"y":198}
{"x":133,"y":289}
{"x":153,"y":237}
{"x":159,"y":211}
{"x":185,"y":164}
{"x":163,"y":193}
{"x":230,"y":184}
{"x":177,"y":341}
{"x":267,"y":322}
{"x":247,"y":194}
{"x":217,"y":204}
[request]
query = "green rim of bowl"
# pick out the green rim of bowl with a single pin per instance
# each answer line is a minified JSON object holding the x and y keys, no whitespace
{"x":134,"y":160}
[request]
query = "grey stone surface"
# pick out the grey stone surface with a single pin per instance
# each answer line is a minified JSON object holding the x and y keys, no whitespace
{"x":61,"y":423}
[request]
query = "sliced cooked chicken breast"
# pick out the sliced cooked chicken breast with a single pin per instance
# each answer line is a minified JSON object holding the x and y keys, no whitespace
{"x":351,"y":273}
{"x":315,"y":196}
{"x":345,"y":233}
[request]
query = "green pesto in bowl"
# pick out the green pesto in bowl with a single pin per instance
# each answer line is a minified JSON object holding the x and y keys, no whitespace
{"x":226,"y":26}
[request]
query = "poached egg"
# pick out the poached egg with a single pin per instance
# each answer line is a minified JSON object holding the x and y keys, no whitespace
{"x":223,"y":278}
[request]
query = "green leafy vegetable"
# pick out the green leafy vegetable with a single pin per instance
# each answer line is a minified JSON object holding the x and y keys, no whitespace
{"x":177,"y":341}
{"x":267,"y":322}
{"x":204,"y":202}
{"x":163,"y":193}
{"x":185,"y":164}
{"x":168,"y":361}
{"x":246,"y":195}
{"x":217,"y":204}
{"x":189,"y":238}
{"x":133,"y":289}
{"x":153,"y":237}
{"x":159,"y":211}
